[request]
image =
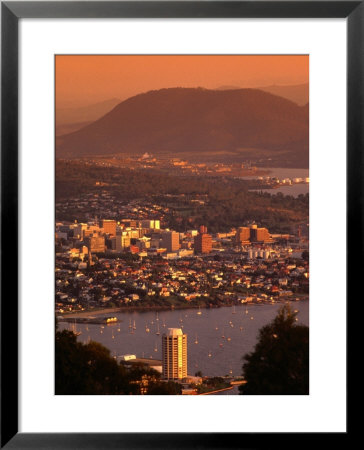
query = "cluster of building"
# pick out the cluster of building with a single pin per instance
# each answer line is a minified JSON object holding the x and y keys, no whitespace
{"x":89,"y":205}
{"x":146,"y":238}
{"x":136,"y":262}
{"x":179,"y":166}
{"x":276,"y":181}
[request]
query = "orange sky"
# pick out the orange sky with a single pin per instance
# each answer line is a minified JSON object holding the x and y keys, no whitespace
{"x":82,"y":80}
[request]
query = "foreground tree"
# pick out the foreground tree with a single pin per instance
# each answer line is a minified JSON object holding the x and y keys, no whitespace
{"x":279,"y":364}
{"x":88,"y":369}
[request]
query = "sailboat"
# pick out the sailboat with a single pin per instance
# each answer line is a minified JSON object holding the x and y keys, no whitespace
{"x":234,"y":310}
{"x":147,"y":328}
{"x":134,"y":326}
{"x":199,"y":312}
{"x":112,"y":334}
{"x":210,"y":354}
{"x":223,"y":333}
{"x":196,"y":340}
{"x":158,"y":332}
{"x":131,"y":329}
{"x":155,"y":347}
{"x":246,"y":310}
{"x":164,"y":324}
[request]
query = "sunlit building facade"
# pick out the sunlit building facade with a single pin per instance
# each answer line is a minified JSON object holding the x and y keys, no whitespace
{"x":109,"y":227}
{"x":202,"y":243}
{"x":174,"y":354}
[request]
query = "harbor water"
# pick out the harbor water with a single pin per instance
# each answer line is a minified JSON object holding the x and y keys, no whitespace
{"x":217,"y":338}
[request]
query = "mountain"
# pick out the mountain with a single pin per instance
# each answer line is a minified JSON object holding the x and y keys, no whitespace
{"x":227,"y":88}
{"x":298,"y":93}
{"x":89,"y":113}
{"x":66,"y":128}
{"x":196,"y":121}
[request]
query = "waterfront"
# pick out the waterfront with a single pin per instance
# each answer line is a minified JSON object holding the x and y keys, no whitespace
{"x":239,"y":326}
{"x":295,"y":189}
{"x":282,"y":172}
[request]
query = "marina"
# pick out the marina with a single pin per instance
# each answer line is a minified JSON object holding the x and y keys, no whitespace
{"x":217,"y":338}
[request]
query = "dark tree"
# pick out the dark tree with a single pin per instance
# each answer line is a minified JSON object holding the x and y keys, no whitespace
{"x":88,"y":369}
{"x":279,"y":364}
{"x":164,"y":388}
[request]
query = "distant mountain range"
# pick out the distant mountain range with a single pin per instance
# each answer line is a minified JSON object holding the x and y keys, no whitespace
{"x":298,"y":93}
{"x":73,"y":118}
{"x":197,"y":121}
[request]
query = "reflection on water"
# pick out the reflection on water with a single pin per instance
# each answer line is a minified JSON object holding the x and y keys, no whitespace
{"x":217,"y":338}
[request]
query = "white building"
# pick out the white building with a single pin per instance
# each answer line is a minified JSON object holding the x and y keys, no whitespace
{"x":174,"y":354}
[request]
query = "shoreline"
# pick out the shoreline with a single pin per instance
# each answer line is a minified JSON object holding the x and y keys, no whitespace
{"x":217,"y":390}
{"x":123,"y":309}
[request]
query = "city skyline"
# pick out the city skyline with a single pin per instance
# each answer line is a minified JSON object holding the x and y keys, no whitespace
{"x":182,"y":224}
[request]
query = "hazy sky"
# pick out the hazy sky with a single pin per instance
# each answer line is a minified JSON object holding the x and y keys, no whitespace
{"x":83,"y":80}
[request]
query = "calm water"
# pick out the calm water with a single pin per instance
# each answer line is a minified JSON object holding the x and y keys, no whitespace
{"x":224,"y":360}
{"x":282,"y":172}
{"x":295,"y":190}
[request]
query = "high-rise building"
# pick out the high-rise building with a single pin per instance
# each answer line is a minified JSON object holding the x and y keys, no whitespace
{"x":202,"y":243}
{"x":259,"y":234}
{"x":203,"y":229}
{"x":174,"y":354}
{"x":243,"y":235}
{"x":130,"y":223}
{"x":115,"y":243}
{"x":170,"y":241}
{"x":95,"y":244}
{"x":109,"y":227}
{"x":151,"y":224}
{"x":125,"y":240}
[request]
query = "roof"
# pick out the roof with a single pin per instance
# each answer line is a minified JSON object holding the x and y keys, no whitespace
{"x":175,"y":332}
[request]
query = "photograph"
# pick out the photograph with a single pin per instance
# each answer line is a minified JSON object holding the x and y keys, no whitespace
{"x":181,"y":224}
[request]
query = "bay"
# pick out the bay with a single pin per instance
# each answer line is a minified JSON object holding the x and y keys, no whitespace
{"x":239,"y":326}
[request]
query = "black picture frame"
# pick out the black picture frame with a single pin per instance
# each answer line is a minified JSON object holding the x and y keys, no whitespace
{"x":11,"y":12}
